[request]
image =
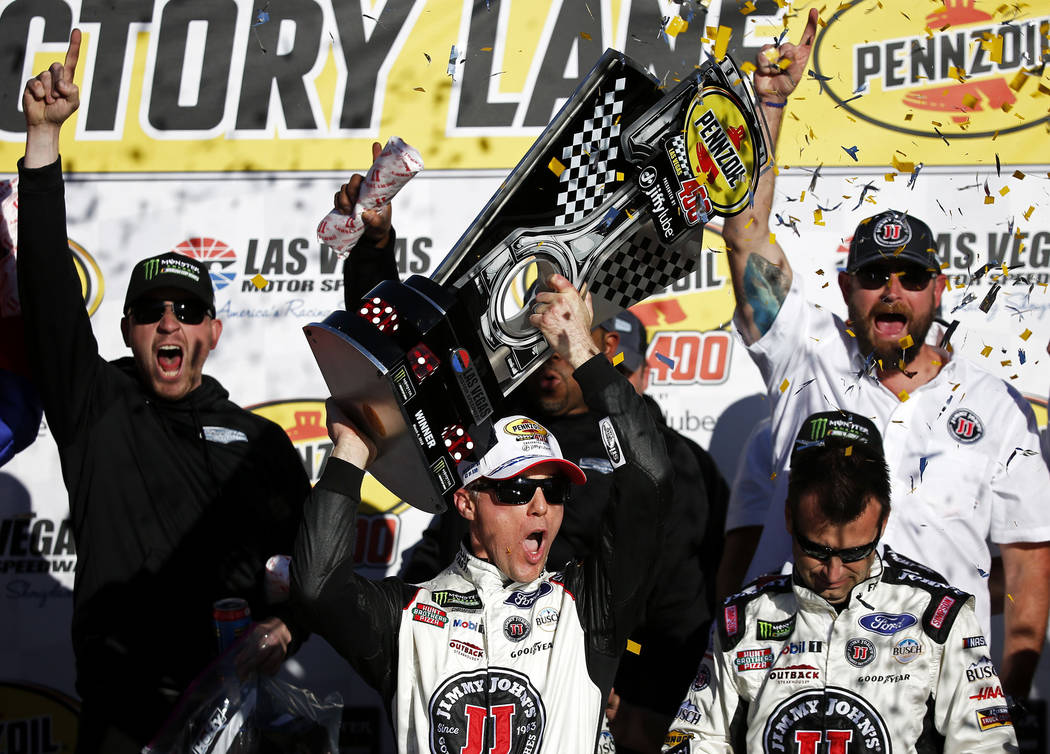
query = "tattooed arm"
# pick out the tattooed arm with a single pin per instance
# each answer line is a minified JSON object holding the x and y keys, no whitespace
{"x":760,"y":270}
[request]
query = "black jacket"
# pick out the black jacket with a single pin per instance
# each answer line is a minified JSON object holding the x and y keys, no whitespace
{"x":174,"y":504}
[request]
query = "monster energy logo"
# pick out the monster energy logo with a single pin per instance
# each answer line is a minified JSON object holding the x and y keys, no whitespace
{"x":775,"y":629}
{"x":151,"y":269}
{"x":818,"y":428}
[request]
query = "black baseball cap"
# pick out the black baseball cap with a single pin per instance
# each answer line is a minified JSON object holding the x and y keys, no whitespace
{"x":170,"y":270}
{"x":892,"y":235}
{"x":837,"y":429}
{"x":633,"y":339}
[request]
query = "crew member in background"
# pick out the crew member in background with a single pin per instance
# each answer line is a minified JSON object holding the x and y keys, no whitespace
{"x":958,"y":439}
{"x":850,"y":651}
{"x":497,"y":651}
{"x":177,"y":496}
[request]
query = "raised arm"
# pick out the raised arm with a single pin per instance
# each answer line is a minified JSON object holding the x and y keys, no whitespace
{"x":48,"y":100}
{"x":760,"y":271}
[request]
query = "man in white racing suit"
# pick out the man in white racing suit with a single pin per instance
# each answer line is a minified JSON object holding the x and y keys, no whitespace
{"x":850,"y":651}
{"x":496,"y":654}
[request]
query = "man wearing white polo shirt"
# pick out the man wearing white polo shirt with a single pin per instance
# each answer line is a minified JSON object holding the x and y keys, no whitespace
{"x":958,"y":440}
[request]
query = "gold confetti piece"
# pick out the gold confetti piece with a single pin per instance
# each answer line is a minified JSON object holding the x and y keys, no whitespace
{"x":820,"y":272}
{"x":1028,"y":212}
{"x":989,"y":200}
{"x":1004,"y":191}
{"x":771,"y":55}
{"x":1006,"y":363}
{"x":749,"y":7}
{"x":772,"y":237}
{"x":995,"y":48}
{"x":906,"y":342}
{"x":259,"y":281}
{"x":901,"y":166}
{"x":749,"y":223}
{"x":486,"y":49}
{"x":722,"y":41}
{"x":784,"y":385}
{"x":802,"y":196}
{"x":1010,"y":596}
{"x":1018,"y":80}
{"x":419,"y":89}
{"x":585,"y":35}
{"x":909,"y":116}
{"x":1026,"y":334}
{"x":619,"y":176}
{"x":711,"y":31}
{"x":903,"y":395}
{"x":849,"y":451}
{"x":784,"y":64}
{"x":676,"y":26}
{"x":890,"y":177}
{"x":818,"y":217}
{"x":748,"y":68}
{"x":986,"y":351}
{"x":947,"y":284}
{"x":1019,"y":175}
{"x":556,"y":167}
{"x":634,"y":647}
{"x":617,"y":358}
{"x":1006,"y":270}
{"x":969,"y":101}
{"x":958,"y":74}
{"x":850,"y":333}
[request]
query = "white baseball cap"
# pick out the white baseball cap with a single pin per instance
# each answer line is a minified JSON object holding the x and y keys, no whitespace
{"x":520,"y":444}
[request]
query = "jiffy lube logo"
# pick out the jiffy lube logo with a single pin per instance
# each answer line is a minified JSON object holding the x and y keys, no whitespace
{"x":496,"y":709}
{"x":961,"y":68}
{"x":721,"y":149}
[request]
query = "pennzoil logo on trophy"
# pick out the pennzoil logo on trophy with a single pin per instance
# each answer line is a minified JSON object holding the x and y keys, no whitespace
{"x":721,"y":150}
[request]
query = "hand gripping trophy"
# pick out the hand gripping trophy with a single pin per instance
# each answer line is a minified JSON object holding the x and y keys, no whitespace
{"x":614,"y":195}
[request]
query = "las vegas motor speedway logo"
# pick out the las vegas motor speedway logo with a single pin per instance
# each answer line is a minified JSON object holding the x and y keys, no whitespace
{"x":963,"y":69}
{"x":216,"y":256}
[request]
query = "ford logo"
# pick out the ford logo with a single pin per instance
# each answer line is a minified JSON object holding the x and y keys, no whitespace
{"x":887,"y":623}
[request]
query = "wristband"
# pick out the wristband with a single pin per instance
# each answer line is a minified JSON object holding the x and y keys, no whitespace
{"x":778,"y":105}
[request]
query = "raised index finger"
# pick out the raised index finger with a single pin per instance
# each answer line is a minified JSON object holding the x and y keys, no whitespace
{"x":72,"y":55}
{"x":811,"y":28}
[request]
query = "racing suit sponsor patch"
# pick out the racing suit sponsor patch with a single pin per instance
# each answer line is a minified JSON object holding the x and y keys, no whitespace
{"x":779,"y":629}
{"x":689,"y":712}
{"x":675,"y":737}
{"x":432,"y":615}
{"x":965,"y":426}
{"x":516,"y":628}
{"x":525,"y":600}
{"x":467,"y":649}
{"x":988,"y":692}
{"x":830,"y":719}
{"x":972,"y":642}
{"x":801,"y":647}
{"x":547,"y":619}
{"x":457,"y":600}
{"x":224,"y":435}
{"x":731,"y":624}
{"x":993,"y":717}
{"x":859,"y":652}
{"x":472,"y":709}
{"x":907,"y":650}
{"x":703,"y":678}
{"x":611,"y":442}
{"x":942,"y":611}
{"x":887,"y":624}
{"x":795,"y":674}
{"x":469,"y":624}
{"x":980,"y":670}
{"x":754,"y":659}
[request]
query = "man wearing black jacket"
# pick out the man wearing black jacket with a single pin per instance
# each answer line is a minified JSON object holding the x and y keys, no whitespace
{"x":177,"y":496}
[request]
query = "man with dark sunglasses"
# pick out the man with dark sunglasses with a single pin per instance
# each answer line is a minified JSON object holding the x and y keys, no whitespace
{"x":496,"y":653}
{"x":177,"y":495}
{"x":962,"y":445}
{"x":850,"y":651}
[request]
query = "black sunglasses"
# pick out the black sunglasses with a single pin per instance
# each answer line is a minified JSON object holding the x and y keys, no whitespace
{"x":824,"y":553}
{"x":519,"y":490}
{"x":189,"y":311}
{"x":912,"y":277}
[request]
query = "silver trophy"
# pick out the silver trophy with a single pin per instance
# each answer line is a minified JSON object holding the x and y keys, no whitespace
{"x":613,"y":194}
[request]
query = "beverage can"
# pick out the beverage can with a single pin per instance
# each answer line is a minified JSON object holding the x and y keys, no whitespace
{"x":233,"y":618}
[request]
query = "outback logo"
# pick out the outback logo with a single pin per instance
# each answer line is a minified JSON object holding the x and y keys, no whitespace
{"x":831,"y":719}
{"x":859,"y":652}
{"x":891,"y":232}
{"x":92,"y":286}
{"x":379,"y":519}
{"x":958,"y":65}
{"x":218,"y":258}
{"x":493,"y":706}
{"x":907,"y":650}
{"x":721,"y":149}
{"x":525,"y":600}
{"x":525,"y":428}
{"x":472,"y":651}
{"x":887,"y":624}
{"x":795,"y":674}
{"x":965,"y":426}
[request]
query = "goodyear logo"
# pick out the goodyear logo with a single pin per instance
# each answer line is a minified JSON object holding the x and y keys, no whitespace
{"x":962,"y":68}
{"x":92,"y":285}
{"x":525,"y":428}
{"x":721,"y":148}
{"x":379,"y":520}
